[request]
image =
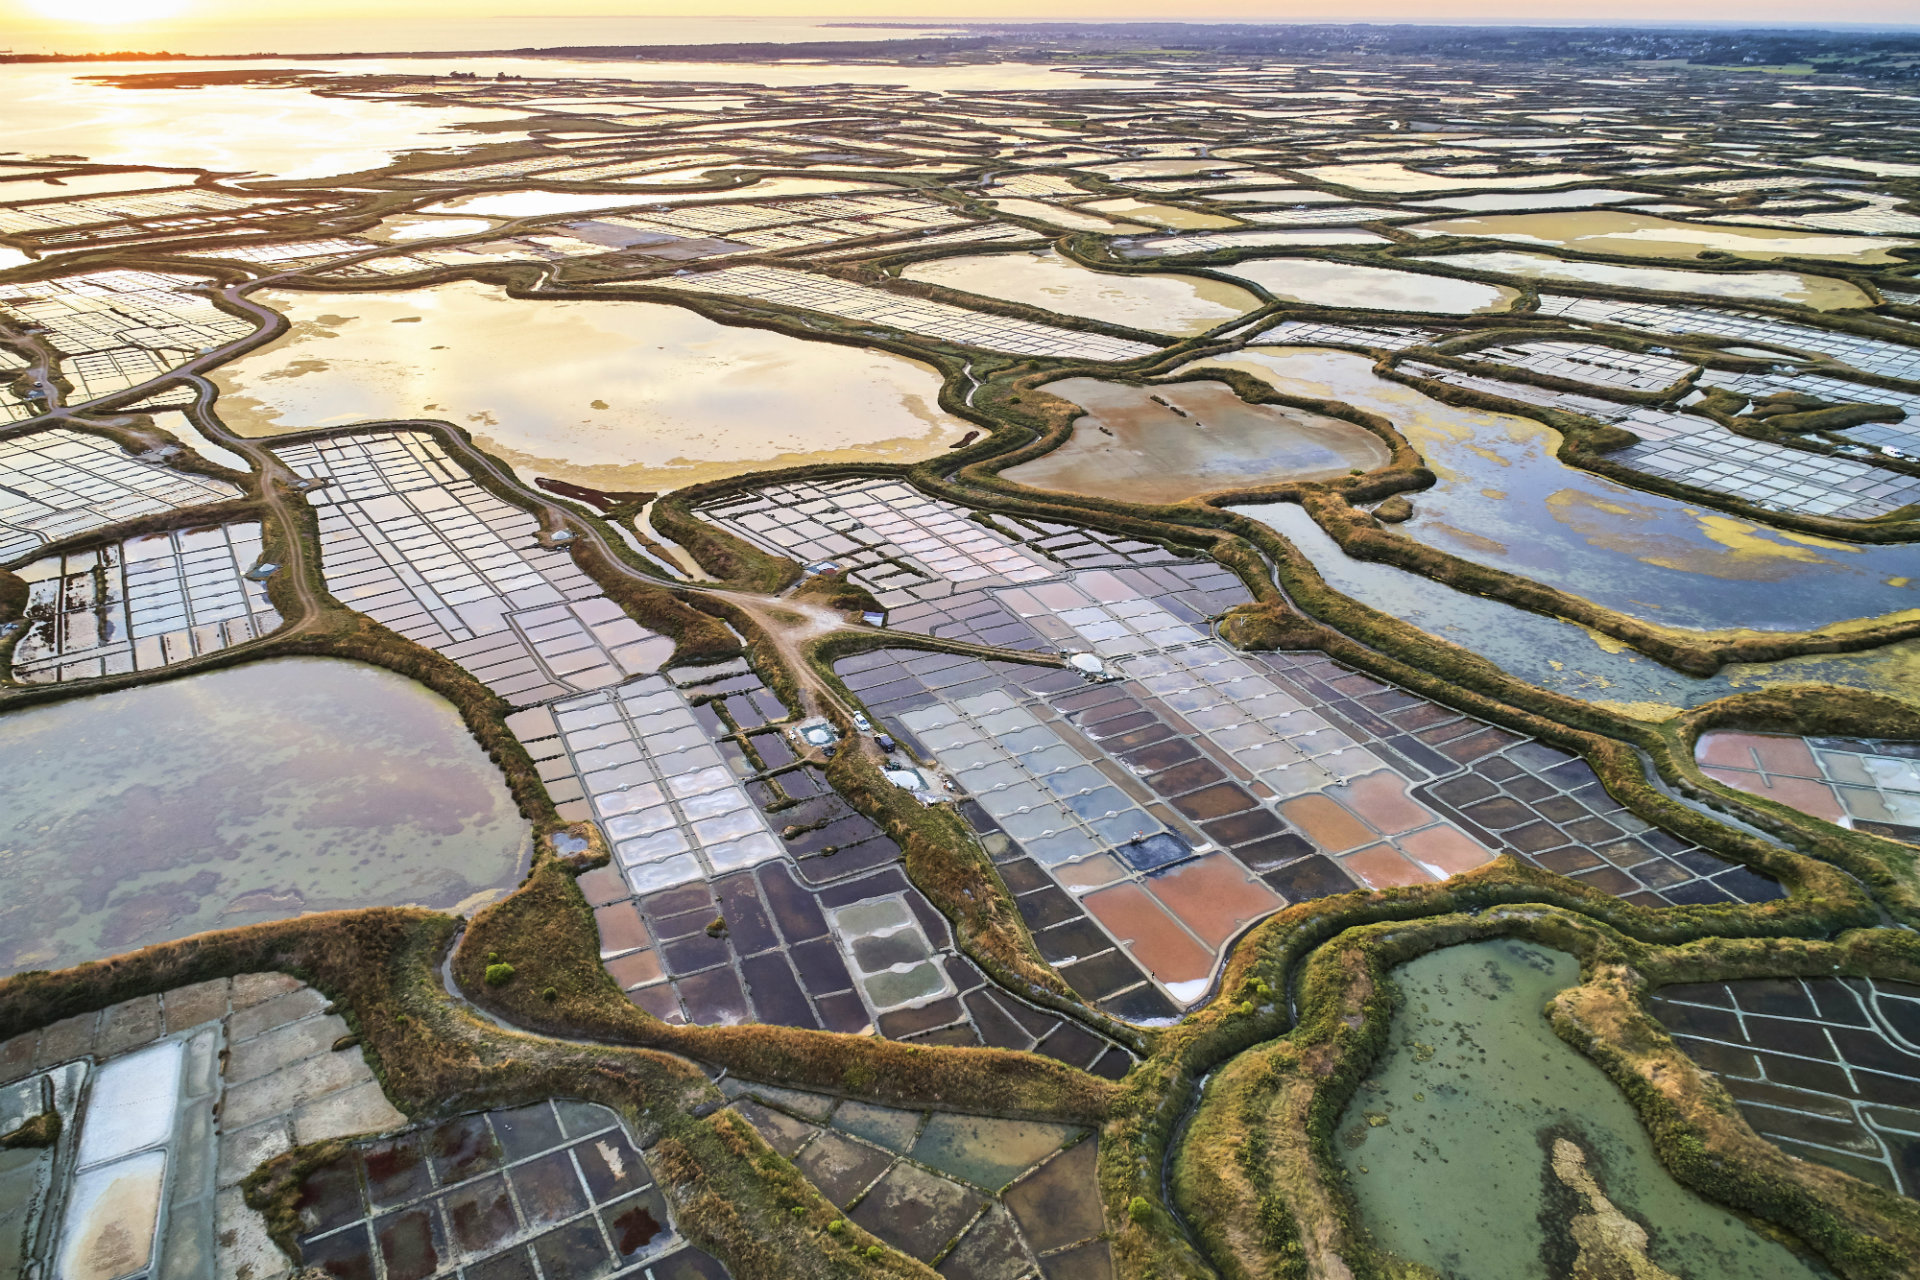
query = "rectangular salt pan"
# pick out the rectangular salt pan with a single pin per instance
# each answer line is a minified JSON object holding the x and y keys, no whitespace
{"x":132,"y":1105}
{"x":111,"y":1215}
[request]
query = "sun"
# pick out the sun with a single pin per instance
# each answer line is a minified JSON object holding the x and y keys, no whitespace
{"x":106,"y":13}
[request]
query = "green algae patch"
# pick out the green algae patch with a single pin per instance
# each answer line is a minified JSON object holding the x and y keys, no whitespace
{"x":1474,"y":1078}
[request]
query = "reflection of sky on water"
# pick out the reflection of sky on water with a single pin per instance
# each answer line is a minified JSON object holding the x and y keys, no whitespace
{"x":372,"y":34}
{"x":1822,"y":292}
{"x":279,"y":132}
{"x":293,"y":133}
{"x":1345,"y":284}
{"x":248,"y":794}
{"x":607,"y":393}
{"x":531,"y":203}
{"x":1554,"y":654}
{"x":1163,"y":303}
{"x":1504,"y":500}
{"x":1549,"y":652}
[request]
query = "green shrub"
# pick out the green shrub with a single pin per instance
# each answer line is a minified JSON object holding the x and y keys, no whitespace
{"x":499,"y":975}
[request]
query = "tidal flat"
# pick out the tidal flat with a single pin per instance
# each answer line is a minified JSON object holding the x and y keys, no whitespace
{"x":614,"y":394}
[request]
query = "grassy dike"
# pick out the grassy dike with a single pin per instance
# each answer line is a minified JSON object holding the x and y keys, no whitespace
{"x":1813,"y":711}
{"x":1332,"y":504}
{"x":942,"y":858}
{"x":1253,"y":1176}
{"x":559,"y":941}
{"x":1276,"y":1089}
{"x":332,"y":632}
{"x":547,"y":932}
{"x":1391,"y":649}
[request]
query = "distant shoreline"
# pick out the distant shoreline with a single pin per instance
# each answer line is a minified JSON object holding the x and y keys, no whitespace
{"x":1883,"y":53}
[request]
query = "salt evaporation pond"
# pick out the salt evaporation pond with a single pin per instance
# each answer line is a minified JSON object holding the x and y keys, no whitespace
{"x":1494,"y":201}
{"x":1179,"y":246}
{"x":1275,"y":195}
{"x":1345,"y":284}
{"x":1172,"y":441}
{"x":409,"y":226}
{"x":1054,"y":215}
{"x":1503,"y":499}
{"x":1392,"y":176}
{"x":247,"y":794}
{"x":1564,"y":657}
{"x":1641,"y":235}
{"x":1551,"y":653}
{"x":1161,"y":215}
{"x":534,"y":203}
{"x":1173,"y":304}
{"x":613,"y":394}
{"x":1466,"y":1145}
{"x":1822,"y":293}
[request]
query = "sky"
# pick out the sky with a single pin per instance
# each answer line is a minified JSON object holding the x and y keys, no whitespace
{"x":312,"y":26}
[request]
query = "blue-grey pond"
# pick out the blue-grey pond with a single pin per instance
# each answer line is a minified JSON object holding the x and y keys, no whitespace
{"x":1503,"y":499}
{"x":248,"y":794}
